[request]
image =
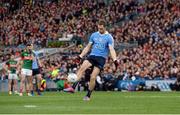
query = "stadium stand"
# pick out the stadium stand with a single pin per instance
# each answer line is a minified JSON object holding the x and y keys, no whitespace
{"x":153,"y":26}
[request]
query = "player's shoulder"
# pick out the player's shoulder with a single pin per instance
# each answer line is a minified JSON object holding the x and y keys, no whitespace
{"x":108,"y":35}
{"x":95,"y":33}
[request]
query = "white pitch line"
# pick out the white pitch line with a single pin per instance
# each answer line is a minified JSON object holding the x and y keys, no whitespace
{"x":163,"y":96}
{"x":30,"y":106}
{"x":95,"y":114}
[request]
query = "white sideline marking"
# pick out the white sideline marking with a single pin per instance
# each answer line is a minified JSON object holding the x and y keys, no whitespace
{"x":30,"y":106}
{"x":163,"y":96}
{"x":95,"y":114}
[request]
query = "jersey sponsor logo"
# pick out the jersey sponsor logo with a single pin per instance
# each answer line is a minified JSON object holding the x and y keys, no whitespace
{"x":100,"y":43}
{"x":100,"y":46}
{"x":27,"y":58}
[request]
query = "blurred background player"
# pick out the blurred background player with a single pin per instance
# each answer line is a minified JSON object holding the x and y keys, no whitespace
{"x":26,"y":70}
{"x":100,"y":44}
{"x":42,"y":84}
{"x":36,"y":69}
{"x":12,"y":69}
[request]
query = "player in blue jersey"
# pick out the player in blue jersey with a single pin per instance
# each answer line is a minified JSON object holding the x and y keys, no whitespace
{"x":36,"y":71}
{"x":100,"y":44}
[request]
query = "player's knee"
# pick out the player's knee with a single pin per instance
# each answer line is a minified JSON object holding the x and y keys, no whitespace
{"x":29,"y":78}
{"x":38,"y":79}
{"x":23,"y":80}
{"x":82,"y":69}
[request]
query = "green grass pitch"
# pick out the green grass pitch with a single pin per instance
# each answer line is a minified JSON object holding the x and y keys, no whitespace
{"x":101,"y":103}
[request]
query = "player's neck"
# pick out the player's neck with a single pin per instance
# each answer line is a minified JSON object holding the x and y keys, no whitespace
{"x":105,"y":32}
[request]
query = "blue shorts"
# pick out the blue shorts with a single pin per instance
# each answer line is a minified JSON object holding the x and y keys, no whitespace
{"x":97,"y":61}
{"x":36,"y":71}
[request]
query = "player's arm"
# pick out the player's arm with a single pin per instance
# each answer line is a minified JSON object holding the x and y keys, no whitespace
{"x":111,"y":48}
{"x":18,"y":66}
{"x":113,"y":55}
{"x":6,"y":65}
{"x":85,"y":50}
{"x":112,"y":52}
{"x":21,"y":61}
{"x":39,"y":62}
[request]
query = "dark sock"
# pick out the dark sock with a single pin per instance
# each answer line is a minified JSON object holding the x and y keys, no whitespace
{"x":39,"y":92}
{"x":32,"y":92}
{"x":75,"y":84}
{"x":89,"y":93}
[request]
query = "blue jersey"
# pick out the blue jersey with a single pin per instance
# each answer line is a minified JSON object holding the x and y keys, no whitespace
{"x":35,"y":64}
{"x":100,"y":44}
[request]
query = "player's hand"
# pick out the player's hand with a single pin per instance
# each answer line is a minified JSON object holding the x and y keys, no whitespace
{"x":8,"y":71}
{"x":78,"y":59}
{"x":116,"y":63}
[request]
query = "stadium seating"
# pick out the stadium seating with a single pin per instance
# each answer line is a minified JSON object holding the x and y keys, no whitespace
{"x":152,"y":25}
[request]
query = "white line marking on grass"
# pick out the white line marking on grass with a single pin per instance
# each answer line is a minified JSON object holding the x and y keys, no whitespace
{"x":94,"y":114}
{"x":30,"y":106}
{"x":153,"y":96}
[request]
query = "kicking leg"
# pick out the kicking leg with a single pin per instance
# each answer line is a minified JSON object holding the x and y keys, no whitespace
{"x":86,"y":64}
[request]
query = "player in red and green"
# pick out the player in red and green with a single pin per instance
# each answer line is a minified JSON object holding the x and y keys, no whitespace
{"x":26,"y":70}
{"x":12,"y":69}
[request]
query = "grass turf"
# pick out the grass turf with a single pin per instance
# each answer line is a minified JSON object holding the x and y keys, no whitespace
{"x":101,"y":103}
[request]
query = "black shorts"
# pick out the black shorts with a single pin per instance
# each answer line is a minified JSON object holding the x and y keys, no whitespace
{"x":97,"y":61}
{"x":36,"y":71}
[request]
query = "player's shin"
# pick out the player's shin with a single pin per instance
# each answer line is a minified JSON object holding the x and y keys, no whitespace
{"x":28,"y":86}
{"x":15,"y":86}
{"x":39,"y":85}
{"x":75,"y":84}
{"x":79,"y":74}
{"x":91,"y":86}
{"x":22,"y":85}
{"x":9,"y":86}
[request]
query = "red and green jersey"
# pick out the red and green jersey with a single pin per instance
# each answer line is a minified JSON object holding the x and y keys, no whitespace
{"x":12,"y":66}
{"x":27,"y":60}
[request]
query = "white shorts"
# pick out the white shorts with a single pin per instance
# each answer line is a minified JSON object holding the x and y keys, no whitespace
{"x":13,"y":76}
{"x":26,"y":72}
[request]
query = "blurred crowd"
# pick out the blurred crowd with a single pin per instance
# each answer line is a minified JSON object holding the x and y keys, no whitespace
{"x":156,"y":31}
{"x":5,"y":54}
{"x":50,"y":20}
